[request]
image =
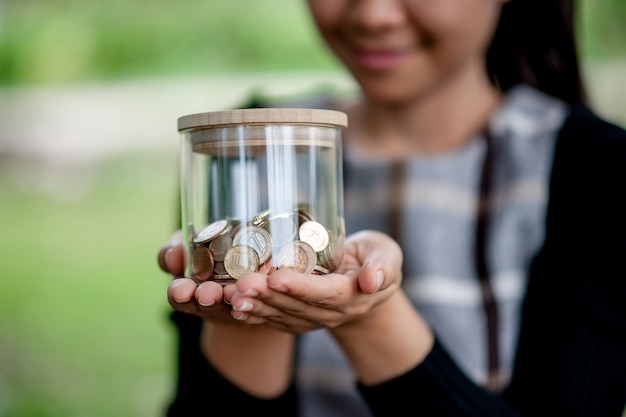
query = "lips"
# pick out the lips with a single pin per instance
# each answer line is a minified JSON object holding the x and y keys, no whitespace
{"x":379,"y":60}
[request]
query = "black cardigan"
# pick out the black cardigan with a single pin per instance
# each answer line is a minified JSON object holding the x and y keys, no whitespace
{"x":571,"y":355}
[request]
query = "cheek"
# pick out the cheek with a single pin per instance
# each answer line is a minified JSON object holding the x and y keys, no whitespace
{"x":457,"y":44}
{"x":326,"y":14}
{"x":328,"y":17}
{"x":457,"y":25}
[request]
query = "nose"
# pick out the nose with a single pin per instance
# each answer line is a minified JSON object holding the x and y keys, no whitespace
{"x":377,"y":14}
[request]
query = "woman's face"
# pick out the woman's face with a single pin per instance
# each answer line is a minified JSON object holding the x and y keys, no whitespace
{"x":398,"y":50}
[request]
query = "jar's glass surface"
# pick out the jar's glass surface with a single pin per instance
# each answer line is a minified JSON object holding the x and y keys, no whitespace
{"x":257,"y":196}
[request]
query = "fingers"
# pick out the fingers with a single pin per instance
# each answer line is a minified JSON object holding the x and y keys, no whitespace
{"x":183,"y":294}
{"x":379,"y":274}
{"x":295,"y":302}
{"x":255,"y":303}
{"x":205,"y":300}
{"x":171,"y":256}
{"x":318,"y":290}
{"x":180,"y":293}
{"x":371,"y":279}
{"x":371,"y":270}
{"x":381,"y":259}
{"x":208,"y":294}
{"x":252,"y":291}
{"x":369,"y":273}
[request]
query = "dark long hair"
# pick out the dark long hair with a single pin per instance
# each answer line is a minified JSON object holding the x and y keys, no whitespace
{"x":535,"y":43}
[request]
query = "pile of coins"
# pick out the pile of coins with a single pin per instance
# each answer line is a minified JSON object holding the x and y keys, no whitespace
{"x":226,"y":249}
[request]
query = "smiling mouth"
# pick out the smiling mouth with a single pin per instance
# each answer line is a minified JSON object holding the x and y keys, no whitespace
{"x":380,"y":60}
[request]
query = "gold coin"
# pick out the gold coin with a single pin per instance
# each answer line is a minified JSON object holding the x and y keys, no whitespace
{"x":241,"y":259}
{"x":315,"y":234}
{"x":260,"y":218}
{"x":257,"y":238}
{"x":298,"y":256}
{"x":211,"y":231}
{"x":202,"y":262}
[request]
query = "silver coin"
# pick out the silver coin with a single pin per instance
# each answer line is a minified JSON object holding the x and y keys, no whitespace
{"x":211,"y":231}
{"x":257,"y":238}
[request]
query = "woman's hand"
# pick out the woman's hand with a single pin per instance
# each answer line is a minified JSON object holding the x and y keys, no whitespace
{"x":206,"y":299}
{"x":290,"y":301}
{"x":257,"y":360}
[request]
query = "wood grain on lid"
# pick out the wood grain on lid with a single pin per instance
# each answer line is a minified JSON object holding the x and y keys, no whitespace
{"x":263,"y":116}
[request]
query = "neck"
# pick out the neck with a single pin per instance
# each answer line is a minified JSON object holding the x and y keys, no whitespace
{"x":437,"y":121}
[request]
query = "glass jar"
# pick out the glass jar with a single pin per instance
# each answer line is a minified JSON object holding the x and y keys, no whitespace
{"x":261,"y":189}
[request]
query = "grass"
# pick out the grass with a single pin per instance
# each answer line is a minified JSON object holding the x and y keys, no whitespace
{"x":83,"y":314}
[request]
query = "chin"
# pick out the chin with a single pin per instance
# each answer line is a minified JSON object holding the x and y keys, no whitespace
{"x":390,"y":95}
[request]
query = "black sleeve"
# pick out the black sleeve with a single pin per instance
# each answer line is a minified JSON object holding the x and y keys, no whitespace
{"x":571,"y":355}
{"x":201,"y":389}
{"x":436,"y":387}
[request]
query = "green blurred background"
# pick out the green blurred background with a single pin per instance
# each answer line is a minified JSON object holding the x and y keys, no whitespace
{"x":90,"y":91}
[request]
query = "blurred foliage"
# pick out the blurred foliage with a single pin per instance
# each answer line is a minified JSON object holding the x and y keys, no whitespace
{"x":57,"y":41}
{"x":84,"y":327}
{"x":601,"y":28}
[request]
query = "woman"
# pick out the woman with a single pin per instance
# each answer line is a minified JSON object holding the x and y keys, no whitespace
{"x":470,"y":145}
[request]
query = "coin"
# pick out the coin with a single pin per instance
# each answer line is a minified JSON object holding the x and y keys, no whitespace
{"x":298,"y":256}
{"x":220,"y":274}
{"x":260,"y":218}
{"x":320,"y":269}
{"x":304,"y":213}
{"x":282,"y":229}
{"x":257,"y":238}
{"x":211,"y":231}
{"x":332,"y":255}
{"x":202,"y":262}
{"x":267,"y":268}
{"x":241,"y":259}
{"x":315,"y":234}
{"x":220,"y":245}
{"x":219,"y":269}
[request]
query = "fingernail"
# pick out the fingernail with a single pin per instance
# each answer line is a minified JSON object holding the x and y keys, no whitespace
{"x":245,"y":306}
{"x":167,"y":255}
{"x":380,"y":277}
{"x":239,"y":316}
{"x":209,"y":304}
{"x":162,"y":255}
{"x":277,"y":287}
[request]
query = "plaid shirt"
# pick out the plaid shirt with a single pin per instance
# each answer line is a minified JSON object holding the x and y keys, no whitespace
{"x":469,"y":222}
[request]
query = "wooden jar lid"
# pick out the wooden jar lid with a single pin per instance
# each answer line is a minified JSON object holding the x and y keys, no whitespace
{"x":263,"y":116}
